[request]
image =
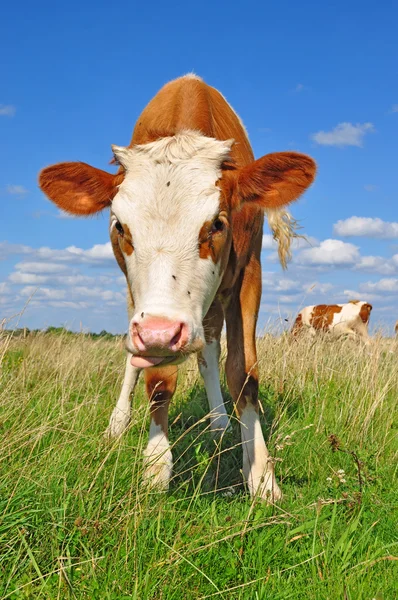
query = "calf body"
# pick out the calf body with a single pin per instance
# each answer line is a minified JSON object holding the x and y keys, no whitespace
{"x":337,"y":319}
{"x":186,"y":219}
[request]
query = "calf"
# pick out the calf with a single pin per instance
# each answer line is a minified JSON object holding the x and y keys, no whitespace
{"x":186,"y":219}
{"x":338,"y":319}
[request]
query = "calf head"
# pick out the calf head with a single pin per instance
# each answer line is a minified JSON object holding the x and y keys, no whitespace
{"x":171,"y":209}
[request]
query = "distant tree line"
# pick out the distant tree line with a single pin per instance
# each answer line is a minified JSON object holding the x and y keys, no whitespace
{"x":25,"y":331}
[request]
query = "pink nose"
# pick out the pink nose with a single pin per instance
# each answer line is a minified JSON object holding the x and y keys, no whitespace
{"x":157,"y":333}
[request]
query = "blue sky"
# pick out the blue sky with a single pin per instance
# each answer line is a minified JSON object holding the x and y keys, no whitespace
{"x":317,"y":78}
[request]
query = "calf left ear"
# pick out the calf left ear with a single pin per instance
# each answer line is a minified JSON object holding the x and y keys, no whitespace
{"x":275,"y":180}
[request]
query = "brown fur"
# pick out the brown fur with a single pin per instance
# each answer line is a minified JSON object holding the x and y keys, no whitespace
{"x":322,"y":315}
{"x":118,"y":252}
{"x":78,"y":188}
{"x":160,"y":385}
{"x":298,"y":324}
{"x":126,"y":241}
{"x":211,"y":243}
{"x":364,"y":313}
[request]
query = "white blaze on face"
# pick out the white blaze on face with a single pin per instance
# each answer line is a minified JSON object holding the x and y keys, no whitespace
{"x":167,"y":195}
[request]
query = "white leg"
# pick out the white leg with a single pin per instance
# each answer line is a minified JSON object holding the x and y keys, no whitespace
{"x":120,"y":417}
{"x":158,"y":460}
{"x":209,"y":369}
{"x":258,"y":468}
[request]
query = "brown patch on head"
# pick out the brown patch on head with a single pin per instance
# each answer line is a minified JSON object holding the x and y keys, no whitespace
{"x":126,"y":241}
{"x":212,"y":239}
{"x":122,"y":244}
{"x":364,"y":313}
{"x":298,"y":324}
{"x":117,"y":251}
{"x":322,"y":315}
{"x":354,"y":301}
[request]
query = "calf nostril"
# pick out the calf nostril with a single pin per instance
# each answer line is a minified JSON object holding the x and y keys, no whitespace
{"x":177,"y":336}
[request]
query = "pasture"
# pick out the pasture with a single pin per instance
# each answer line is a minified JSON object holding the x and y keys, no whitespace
{"x":75,"y":521}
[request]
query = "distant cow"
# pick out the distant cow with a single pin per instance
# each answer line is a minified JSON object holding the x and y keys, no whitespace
{"x":186,"y":224}
{"x":339,"y":319}
{"x":396,"y":328}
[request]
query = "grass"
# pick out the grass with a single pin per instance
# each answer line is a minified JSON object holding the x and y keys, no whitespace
{"x":75,"y":521}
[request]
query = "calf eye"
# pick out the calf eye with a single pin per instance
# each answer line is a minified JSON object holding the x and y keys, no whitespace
{"x":119,"y":228}
{"x":217,"y":226}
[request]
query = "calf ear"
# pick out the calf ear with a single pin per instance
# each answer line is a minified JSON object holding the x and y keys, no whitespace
{"x":78,"y":188}
{"x":276,"y":179}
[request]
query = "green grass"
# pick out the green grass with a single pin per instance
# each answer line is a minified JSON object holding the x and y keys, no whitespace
{"x":75,"y":521}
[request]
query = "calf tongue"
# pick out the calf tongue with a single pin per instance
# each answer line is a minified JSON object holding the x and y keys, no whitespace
{"x":143,"y":362}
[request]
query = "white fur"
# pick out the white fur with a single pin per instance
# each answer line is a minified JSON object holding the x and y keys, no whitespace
{"x":165,"y":221}
{"x":209,"y":369}
{"x":258,"y":468}
{"x":158,"y":460}
{"x":120,"y":417}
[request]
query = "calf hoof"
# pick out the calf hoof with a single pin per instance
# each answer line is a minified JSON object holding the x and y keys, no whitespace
{"x":118,"y":423}
{"x":220,"y":425}
{"x":157,"y":471}
{"x":264,"y":487}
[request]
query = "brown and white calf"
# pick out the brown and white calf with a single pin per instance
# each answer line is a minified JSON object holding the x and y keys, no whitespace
{"x":186,"y":220}
{"x":338,"y":319}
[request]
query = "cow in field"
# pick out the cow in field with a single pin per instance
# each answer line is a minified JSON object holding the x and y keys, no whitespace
{"x":186,"y":219}
{"x":338,"y":319}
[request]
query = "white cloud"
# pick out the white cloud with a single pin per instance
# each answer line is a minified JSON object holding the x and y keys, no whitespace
{"x":28,"y":278}
{"x":386,"y":286}
{"x":97,"y":252}
{"x":394,"y":108}
{"x":299,"y":87}
{"x":361,"y":295}
{"x":43,"y":293}
{"x":98,"y":293}
{"x":344,"y":134}
{"x":376,"y":264}
{"x":274,"y":283}
{"x":41,"y":267}
{"x":7,"y":110}
{"x":4,"y":288}
{"x":97,"y":255}
{"x":317,"y":288}
{"x":330,"y":253}
{"x":16,"y":190}
{"x":69,"y":304}
{"x":369,"y":187}
{"x":7,"y":249}
{"x":372,"y":227}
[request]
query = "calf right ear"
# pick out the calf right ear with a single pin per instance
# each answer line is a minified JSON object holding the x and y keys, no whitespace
{"x":78,"y":188}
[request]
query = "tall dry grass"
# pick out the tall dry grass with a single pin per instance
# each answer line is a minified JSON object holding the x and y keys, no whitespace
{"x":76,"y":496}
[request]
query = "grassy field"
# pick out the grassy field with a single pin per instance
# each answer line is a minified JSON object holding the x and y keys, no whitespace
{"x":75,"y":521}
